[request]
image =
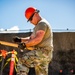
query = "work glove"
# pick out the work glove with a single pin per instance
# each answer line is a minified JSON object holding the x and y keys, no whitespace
{"x":22,"y":46}
{"x":17,"y":39}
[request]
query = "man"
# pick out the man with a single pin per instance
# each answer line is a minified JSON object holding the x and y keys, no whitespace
{"x":41,"y":40}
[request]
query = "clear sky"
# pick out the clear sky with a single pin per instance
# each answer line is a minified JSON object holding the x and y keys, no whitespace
{"x":59,"y":13}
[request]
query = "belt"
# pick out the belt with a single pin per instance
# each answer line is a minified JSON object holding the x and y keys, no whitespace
{"x":39,"y":48}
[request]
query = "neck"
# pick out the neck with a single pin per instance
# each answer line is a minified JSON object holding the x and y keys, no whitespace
{"x":39,"y":19}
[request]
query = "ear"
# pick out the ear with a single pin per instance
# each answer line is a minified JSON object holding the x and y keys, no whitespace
{"x":36,"y":14}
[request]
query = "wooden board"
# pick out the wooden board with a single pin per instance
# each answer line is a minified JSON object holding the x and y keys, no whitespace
{"x":13,"y":45}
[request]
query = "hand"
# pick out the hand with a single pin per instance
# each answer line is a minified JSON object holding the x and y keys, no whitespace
{"x":22,"y":45}
{"x":17,"y":39}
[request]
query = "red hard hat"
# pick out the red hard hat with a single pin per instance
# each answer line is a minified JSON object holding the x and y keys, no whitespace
{"x":29,"y":11}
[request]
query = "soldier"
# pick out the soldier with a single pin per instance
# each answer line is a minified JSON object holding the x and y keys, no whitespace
{"x":41,"y":40}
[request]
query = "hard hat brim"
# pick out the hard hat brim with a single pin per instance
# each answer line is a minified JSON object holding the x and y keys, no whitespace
{"x":37,"y":11}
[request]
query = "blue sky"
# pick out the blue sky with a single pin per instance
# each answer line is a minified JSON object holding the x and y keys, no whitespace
{"x":59,"y":13}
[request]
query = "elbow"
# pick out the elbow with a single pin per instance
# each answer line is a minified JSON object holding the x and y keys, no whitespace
{"x":38,"y":40}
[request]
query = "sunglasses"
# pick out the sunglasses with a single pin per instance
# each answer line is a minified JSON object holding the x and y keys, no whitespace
{"x":30,"y":19}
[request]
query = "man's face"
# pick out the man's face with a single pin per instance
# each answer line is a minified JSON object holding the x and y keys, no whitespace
{"x":34,"y":19}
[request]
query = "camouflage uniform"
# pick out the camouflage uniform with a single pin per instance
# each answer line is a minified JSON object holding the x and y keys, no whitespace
{"x":41,"y":57}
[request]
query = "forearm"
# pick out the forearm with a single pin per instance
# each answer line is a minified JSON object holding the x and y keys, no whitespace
{"x":37,"y":39}
{"x":33,"y":42}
